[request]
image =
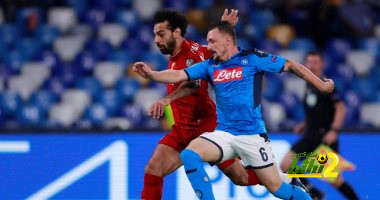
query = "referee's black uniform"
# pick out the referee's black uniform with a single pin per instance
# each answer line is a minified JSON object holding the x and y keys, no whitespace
{"x":320,"y":110}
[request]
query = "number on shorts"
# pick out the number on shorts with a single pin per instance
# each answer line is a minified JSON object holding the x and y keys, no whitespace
{"x":263,"y":154}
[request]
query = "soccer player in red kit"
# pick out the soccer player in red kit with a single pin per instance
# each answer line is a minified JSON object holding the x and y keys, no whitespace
{"x":193,"y":114}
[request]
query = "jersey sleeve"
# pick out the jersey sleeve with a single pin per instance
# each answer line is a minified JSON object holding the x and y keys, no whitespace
{"x":335,"y":96}
{"x":197,"y":71}
{"x":268,"y":62}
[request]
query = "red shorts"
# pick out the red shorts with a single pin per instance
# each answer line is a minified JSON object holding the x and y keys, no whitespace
{"x":179,"y":139}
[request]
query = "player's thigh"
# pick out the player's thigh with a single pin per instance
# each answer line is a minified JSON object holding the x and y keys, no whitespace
{"x":269,"y":177}
{"x":213,"y":147}
{"x":256,"y":153}
{"x":207,"y":150}
{"x":254,"y":150}
{"x":287,"y":161}
{"x":164,"y":160}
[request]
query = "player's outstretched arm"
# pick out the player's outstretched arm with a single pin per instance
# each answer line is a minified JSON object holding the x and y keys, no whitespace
{"x":301,"y":71}
{"x":165,"y":76}
{"x":183,"y":90}
{"x":156,"y":110}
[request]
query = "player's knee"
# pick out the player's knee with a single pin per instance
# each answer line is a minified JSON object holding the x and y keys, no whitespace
{"x":189,"y":157}
{"x":154,"y":169}
{"x":272,"y":185}
{"x":284,"y":166}
{"x":240,"y":179}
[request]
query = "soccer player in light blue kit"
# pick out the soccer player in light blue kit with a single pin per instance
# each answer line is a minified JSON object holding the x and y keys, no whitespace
{"x":236,"y":75}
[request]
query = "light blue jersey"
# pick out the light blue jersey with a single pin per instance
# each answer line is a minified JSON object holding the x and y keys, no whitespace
{"x":238,"y":84}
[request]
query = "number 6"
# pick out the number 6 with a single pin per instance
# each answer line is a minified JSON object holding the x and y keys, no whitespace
{"x":264,"y":155}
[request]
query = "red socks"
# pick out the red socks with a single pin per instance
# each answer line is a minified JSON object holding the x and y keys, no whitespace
{"x":152,"y":187}
{"x":252,"y":177}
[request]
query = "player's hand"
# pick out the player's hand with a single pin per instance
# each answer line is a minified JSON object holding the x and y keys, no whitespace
{"x":156,"y":110}
{"x":231,"y":17}
{"x":300,"y":128}
{"x":330,"y":137}
{"x":142,"y":69}
{"x":328,"y":86}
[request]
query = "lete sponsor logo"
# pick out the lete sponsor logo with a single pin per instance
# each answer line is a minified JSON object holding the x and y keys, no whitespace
{"x":227,"y":75}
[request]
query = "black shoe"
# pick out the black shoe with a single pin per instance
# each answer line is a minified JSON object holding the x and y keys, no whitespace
{"x":297,"y":182}
{"x":316,"y":194}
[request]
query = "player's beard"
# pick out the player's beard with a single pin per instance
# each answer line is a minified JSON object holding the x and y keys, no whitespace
{"x":218,"y":57}
{"x":169,"y":47}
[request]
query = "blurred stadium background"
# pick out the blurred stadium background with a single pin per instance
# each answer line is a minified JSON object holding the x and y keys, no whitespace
{"x":64,"y":65}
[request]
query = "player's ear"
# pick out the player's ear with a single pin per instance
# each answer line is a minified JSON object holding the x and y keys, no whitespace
{"x":177,"y":33}
{"x":228,"y":40}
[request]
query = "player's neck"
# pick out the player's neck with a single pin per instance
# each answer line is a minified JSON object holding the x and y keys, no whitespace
{"x":231,"y":52}
{"x":178,"y":46}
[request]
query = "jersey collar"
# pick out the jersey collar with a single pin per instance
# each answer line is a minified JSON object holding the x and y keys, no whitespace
{"x":234,"y":56}
{"x":238,"y":53}
{"x":185,"y":46}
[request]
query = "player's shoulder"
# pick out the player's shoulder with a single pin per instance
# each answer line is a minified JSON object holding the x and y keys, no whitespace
{"x":253,"y":52}
{"x":194,"y":47}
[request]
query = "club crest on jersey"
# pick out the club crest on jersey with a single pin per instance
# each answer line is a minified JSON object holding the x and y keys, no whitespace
{"x":189,"y":62}
{"x":244,"y":62}
{"x":194,"y":48}
{"x":227,"y":75}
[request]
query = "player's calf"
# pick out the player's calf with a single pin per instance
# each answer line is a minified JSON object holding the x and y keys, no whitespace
{"x":239,"y":175}
{"x":163,"y":161}
{"x":271,"y":179}
{"x":197,"y":176}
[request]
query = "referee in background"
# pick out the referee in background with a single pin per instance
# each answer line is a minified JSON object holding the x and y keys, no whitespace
{"x":324,"y":118}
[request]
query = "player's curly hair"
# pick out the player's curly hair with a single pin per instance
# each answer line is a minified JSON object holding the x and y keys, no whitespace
{"x":174,"y":18}
{"x":225,"y":27}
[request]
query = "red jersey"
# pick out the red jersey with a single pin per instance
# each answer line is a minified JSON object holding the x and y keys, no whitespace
{"x":192,"y":111}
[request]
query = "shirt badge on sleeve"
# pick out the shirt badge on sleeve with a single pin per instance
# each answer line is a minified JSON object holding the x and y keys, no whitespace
{"x":273,"y":58}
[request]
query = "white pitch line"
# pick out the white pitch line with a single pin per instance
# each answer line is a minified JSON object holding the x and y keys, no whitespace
{"x":14,"y":147}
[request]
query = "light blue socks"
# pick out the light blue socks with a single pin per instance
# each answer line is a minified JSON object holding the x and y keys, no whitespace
{"x":197,"y":175}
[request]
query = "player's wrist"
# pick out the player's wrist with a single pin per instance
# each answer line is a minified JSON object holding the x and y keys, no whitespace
{"x":149,"y":75}
{"x":334,"y":129}
{"x":166,"y":100}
